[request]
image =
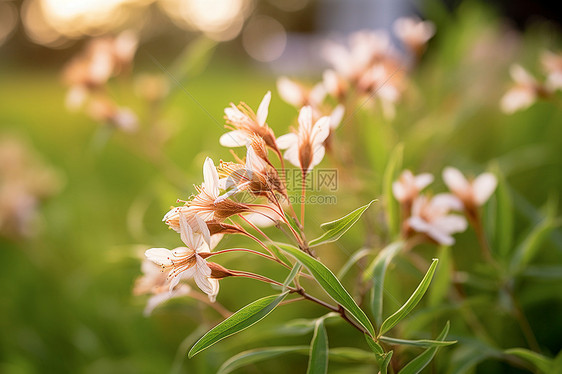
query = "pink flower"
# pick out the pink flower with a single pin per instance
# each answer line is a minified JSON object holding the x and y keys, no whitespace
{"x":298,"y":95}
{"x":472,"y":193}
{"x":431,"y":217}
{"x":408,"y":186}
{"x":414,"y":32}
{"x":305,"y":147}
{"x":523,"y":94}
{"x":186,"y":262}
{"x":245,"y":123}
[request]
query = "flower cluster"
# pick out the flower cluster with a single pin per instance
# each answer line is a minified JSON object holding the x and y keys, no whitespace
{"x":526,"y":89}
{"x":217,"y":209}
{"x":88,"y":73}
{"x":431,"y":216}
{"x":369,"y":66}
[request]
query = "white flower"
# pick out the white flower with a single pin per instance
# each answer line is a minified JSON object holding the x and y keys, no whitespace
{"x":153,"y":281}
{"x":158,"y":298}
{"x":414,"y":32}
{"x":207,"y":204}
{"x":431,"y":217}
{"x":523,"y":94}
{"x":408,"y":185}
{"x":186,"y":262}
{"x":365,"y":48}
{"x":244,"y":123}
{"x":474,"y":193}
{"x":298,"y":95}
{"x":305,"y":148}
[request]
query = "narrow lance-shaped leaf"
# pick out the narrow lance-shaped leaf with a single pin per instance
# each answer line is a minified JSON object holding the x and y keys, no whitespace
{"x":351,"y":355}
{"x":532,"y":243}
{"x":340,"y":354}
{"x":241,"y":320}
{"x":392,"y":208}
{"x":442,"y":280}
{"x":376,"y":271}
{"x":318,"y":360}
{"x":296,"y":268}
{"x":331,"y":285}
{"x":384,"y":365}
{"x":420,"y":362}
{"x":391,"y":321}
{"x":382,"y":357}
{"x":335,"y":229}
{"x":543,"y":363}
{"x":257,"y":355}
{"x":417,"y":343}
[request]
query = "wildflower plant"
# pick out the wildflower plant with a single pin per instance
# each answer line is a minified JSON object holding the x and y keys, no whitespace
{"x":409,"y":222}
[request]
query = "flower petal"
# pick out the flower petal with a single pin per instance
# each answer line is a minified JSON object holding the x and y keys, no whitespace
{"x":305,"y":120}
{"x":236,"y":138}
{"x":446,"y":202}
{"x":160,"y":256}
{"x":290,"y":91}
{"x":203,"y":229}
{"x":320,"y":131}
{"x":263,"y":109}
{"x":456,"y":182}
{"x":337,"y":116}
{"x":451,"y":223}
{"x":318,"y":155}
{"x":421,"y":181}
{"x":211,"y":178}
{"x":483,"y":187}
{"x":292,"y":154}
{"x":186,"y":233}
{"x":287,"y":140}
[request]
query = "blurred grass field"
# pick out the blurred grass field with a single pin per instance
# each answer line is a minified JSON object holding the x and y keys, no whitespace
{"x":65,"y":300}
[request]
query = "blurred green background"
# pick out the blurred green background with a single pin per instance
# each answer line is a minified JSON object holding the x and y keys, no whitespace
{"x":65,"y":293}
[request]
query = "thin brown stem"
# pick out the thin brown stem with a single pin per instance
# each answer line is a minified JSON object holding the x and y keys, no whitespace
{"x":303,"y":196}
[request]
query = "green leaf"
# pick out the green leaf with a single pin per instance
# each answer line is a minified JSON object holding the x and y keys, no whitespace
{"x":383,"y":367}
{"x":375,"y":347}
{"x":391,"y":321}
{"x":531,"y":245}
{"x":417,"y":343}
{"x":543,"y":363}
{"x":257,"y":355}
{"x":351,"y":355}
{"x":418,"y":363}
{"x":382,"y":357}
{"x":377,"y":271}
{"x":279,"y":254}
{"x":390,"y":173}
{"x":241,"y":320}
{"x":331,"y":285}
{"x":442,"y":281}
{"x":301,"y":326}
{"x":296,"y":269}
{"x":318,"y":360}
{"x":335,"y":229}
{"x":352,"y":260}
